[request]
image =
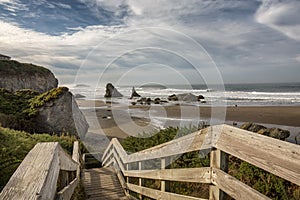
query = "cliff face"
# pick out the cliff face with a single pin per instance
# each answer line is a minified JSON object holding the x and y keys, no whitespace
{"x":60,"y":115}
{"x":54,"y":111}
{"x":15,"y":76}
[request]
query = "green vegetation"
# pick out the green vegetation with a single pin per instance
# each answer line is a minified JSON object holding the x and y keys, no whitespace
{"x":14,"y":146}
{"x":12,"y":67}
{"x":262,"y":181}
{"x":42,"y":99}
{"x":18,"y":109}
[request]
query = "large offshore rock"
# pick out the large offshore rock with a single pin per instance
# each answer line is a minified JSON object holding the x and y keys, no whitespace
{"x":134,"y":93}
{"x":16,"y":76}
{"x":111,"y":91}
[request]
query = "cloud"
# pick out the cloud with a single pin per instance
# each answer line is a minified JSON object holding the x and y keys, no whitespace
{"x":281,"y":16}
{"x":83,"y":40}
{"x":13,"y":5}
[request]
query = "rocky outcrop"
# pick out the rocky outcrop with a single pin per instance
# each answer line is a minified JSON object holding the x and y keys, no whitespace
{"x":188,"y":97}
{"x":271,"y":132}
{"x":134,"y":93}
{"x":79,"y":96}
{"x":111,"y":91}
{"x":59,"y":114}
{"x":54,"y":111}
{"x":173,"y":97}
{"x":16,"y":76}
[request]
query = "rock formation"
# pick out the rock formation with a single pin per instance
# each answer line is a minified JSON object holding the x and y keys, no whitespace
{"x":79,"y":96}
{"x":173,"y":97}
{"x":15,"y":76}
{"x":134,"y":93}
{"x":59,"y":114}
{"x":272,"y":132}
{"x":54,"y":111}
{"x":111,"y":91}
{"x":188,"y":97}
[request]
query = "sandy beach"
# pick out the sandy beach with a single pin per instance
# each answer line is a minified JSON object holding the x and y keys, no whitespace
{"x":114,"y":120}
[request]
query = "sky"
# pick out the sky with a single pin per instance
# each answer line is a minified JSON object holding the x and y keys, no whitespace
{"x":158,"y":41}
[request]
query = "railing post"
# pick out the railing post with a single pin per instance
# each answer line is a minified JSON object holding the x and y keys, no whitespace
{"x":140,"y":179}
{"x":163,"y":184}
{"x":76,"y":156}
{"x":218,"y":159}
{"x":127,"y":178}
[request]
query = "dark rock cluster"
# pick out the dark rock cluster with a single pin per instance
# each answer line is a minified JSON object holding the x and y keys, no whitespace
{"x":272,"y":132}
{"x":188,"y":97}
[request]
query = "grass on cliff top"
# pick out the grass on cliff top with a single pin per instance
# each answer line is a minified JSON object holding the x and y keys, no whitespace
{"x":14,"y":146}
{"x":12,"y":67}
{"x":42,"y":99}
{"x":18,"y":109}
{"x":262,"y":181}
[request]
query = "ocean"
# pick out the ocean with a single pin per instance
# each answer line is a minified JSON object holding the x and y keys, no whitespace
{"x":263,"y":94}
{"x":271,"y":94}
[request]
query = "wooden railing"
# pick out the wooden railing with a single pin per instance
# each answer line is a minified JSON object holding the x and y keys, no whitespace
{"x":47,"y":172}
{"x":275,"y":156}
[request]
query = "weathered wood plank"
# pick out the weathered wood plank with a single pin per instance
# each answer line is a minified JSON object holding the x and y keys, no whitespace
{"x":199,"y":140}
{"x":195,"y":175}
{"x":76,"y":157}
{"x":67,"y":192}
{"x":219,"y":160}
{"x":102,"y":183}
{"x":157,"y":194}
{"x":119,"y":160}
{"x":36,"y":177}
{"x":65,"y":160}
{"x":76,"y":152}
{"x":234,"y":187}
{"x":275,"y":156}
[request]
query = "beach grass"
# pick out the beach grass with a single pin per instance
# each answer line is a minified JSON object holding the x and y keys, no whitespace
{"x":14,"y":146}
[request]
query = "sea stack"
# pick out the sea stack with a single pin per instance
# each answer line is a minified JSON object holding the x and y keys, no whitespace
{"x":134,"y":93}
{"x":111,"y":91}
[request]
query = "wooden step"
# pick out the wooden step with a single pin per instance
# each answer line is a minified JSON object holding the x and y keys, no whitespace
{"x":102,"y":183}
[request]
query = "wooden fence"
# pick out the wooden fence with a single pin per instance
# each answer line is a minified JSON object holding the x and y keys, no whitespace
{"x":275,"y":156}
{"x":47,"y":172}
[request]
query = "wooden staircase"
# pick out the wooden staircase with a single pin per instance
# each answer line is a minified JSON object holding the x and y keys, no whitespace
{"x":102,"y":183}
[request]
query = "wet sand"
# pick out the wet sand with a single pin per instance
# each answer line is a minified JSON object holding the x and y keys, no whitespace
{"x":114,"y":120}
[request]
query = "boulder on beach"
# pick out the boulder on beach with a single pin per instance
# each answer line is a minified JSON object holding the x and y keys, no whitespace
{"x":134,"y":93}
{"x":188,"y":97}
{"x":249,"y":126}
{"x":157,"y":101}
{"x":111,"y":91}
{"x":200,"y":97}
{"x":173,"y":97}
{"x":271,"y":132}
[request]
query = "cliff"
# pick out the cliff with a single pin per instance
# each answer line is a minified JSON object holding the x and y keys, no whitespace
{"x":57,"y":112}
{"x":54,"y":111}
{"x":15,"y":76}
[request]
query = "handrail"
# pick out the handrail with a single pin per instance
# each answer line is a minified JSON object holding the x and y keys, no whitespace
{"x":38,"y":175}
{"x":275,"y":156}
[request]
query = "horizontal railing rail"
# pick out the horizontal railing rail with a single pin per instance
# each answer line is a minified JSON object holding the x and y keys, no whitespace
{"x":46,"y":168}
{"x":275,"y":156}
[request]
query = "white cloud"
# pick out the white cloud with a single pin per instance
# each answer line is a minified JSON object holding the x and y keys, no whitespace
{"x":281,"y":16}
{"x":225,"y":28}
{"x":13,"y":5}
